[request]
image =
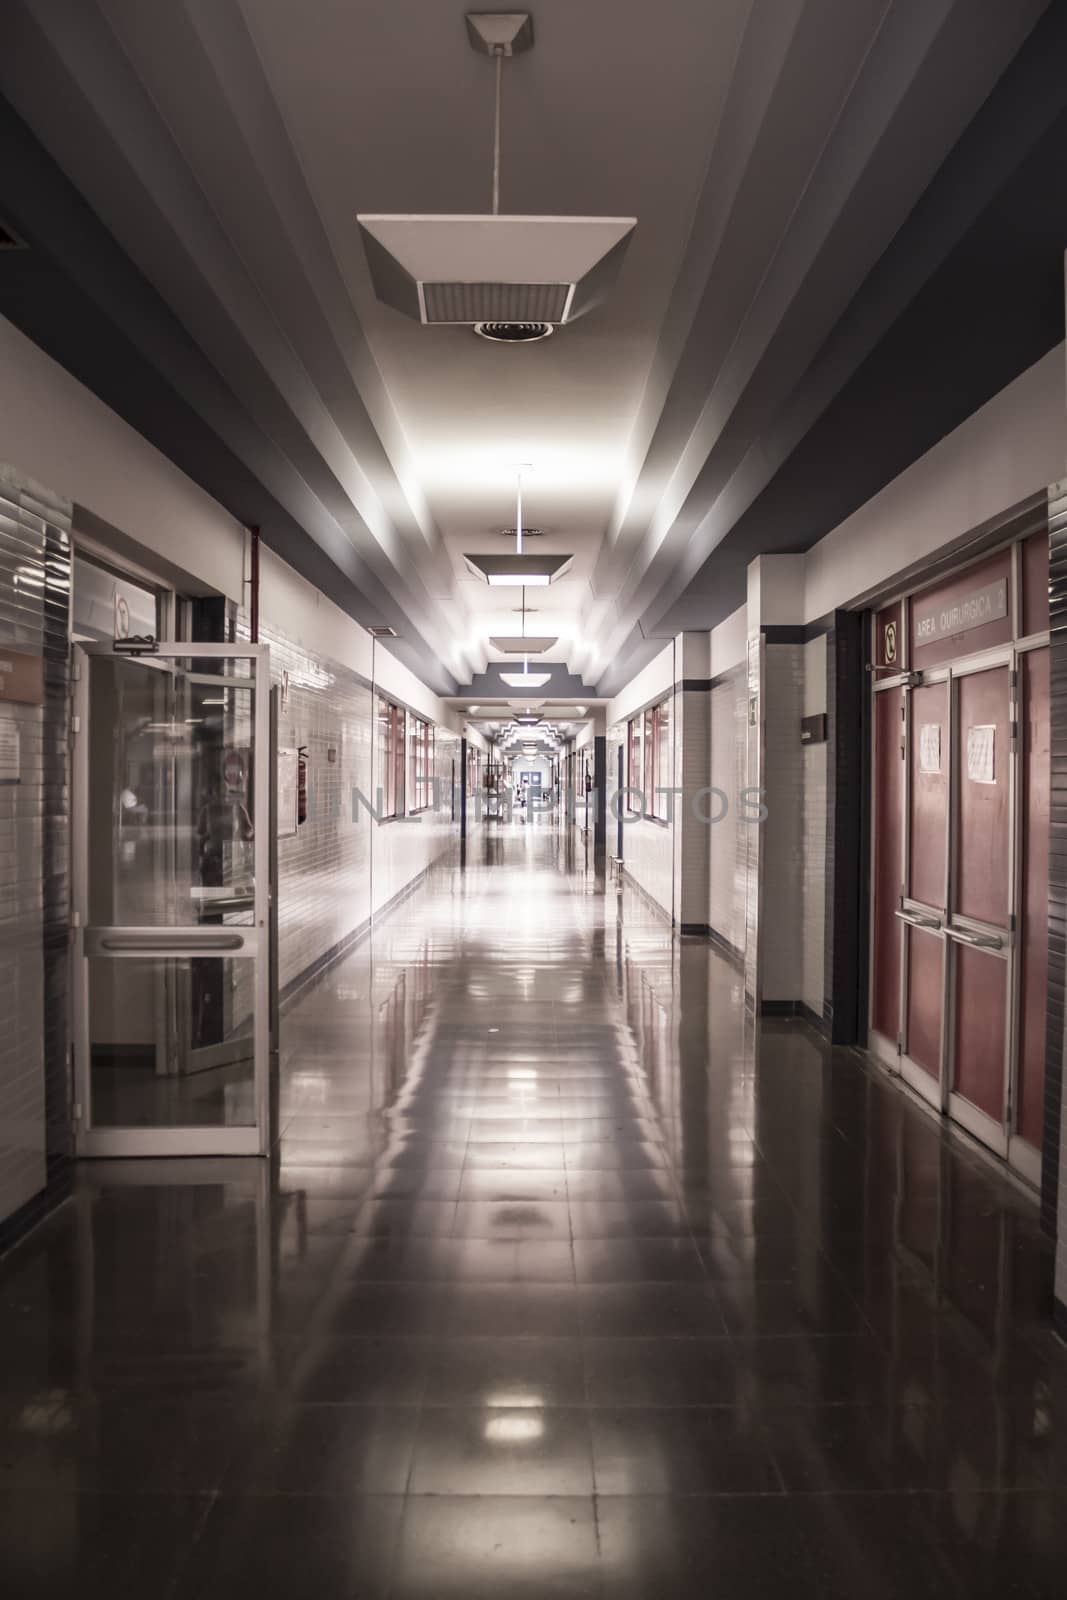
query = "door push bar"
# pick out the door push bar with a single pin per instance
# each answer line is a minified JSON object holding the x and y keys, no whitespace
{"x":980,"y":941}
{"x":917,"y":919}
{"x":179,"y":943}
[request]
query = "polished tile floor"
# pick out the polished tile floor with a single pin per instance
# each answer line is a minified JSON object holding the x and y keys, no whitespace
{"x":564,"y":1281}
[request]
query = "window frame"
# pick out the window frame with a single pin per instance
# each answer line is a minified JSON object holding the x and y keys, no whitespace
{"x":644,"y":732}
{"x":421,"y":745}
{"x":392,"y":757}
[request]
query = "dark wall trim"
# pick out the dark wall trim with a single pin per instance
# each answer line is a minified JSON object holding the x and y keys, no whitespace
{"x":344,"y":946}
{"x":1051,"y":1155}
{"x":22,"y":1221}
{"x":649,"y":899}
{"x":794,"y":1011}
{"x":799,"y":632}
{"x":847,"y":830}
{"x":726,"y":947}
{"x":600,"y":802}
{"x":1059,"y":1318}
{"x":703,"y":685}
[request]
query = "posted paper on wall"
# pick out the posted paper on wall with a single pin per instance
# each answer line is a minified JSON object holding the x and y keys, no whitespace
{"x":980,"y":753}
{"x":288,"y":783}
{"x":930,"y":747}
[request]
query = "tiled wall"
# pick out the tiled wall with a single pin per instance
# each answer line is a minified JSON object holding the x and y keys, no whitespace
{"x":401,"y":851}
{"x":342,"y":865}
{"x":324,"y":868}
{"x":782,"y":844}
{"x":727,"y":842}
{"x":34,"y":595}
{"x":692,"y":834}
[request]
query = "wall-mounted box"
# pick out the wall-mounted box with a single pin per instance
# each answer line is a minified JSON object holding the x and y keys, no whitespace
{"x":813,"y":729}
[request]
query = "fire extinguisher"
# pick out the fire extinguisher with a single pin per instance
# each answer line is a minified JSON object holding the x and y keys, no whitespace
{"x":302,"y":784}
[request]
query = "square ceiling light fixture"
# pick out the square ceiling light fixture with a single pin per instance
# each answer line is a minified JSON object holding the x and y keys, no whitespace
{"x":518,"y":572}
{"x":464,"y":271}
{"x":512,"y":278}
{"x":524,"y":646}
{"x":525,"y":680}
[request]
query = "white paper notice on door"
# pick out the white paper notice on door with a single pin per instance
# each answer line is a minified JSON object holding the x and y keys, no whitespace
{"x":980,"y":746}
{"x":9,"y":751}
{"x":288,"y":782}
{"x":930,"y":747}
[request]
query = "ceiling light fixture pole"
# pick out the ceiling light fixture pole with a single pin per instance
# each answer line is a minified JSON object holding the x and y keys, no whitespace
{"x":499,"y":55}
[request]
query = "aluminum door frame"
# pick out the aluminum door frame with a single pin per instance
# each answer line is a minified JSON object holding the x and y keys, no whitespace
{"x":885,"y":1049}
{"x":913,"y":913}
{"x":1023,"y":1156}
{"x":248,"y":943}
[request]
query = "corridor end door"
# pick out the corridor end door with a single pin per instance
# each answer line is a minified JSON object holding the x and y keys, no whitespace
{"x":171,"y":969}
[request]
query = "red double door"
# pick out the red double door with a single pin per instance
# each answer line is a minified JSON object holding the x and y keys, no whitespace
{"x":960,"y":912}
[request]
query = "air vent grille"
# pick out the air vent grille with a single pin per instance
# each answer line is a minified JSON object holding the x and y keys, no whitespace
{"x":464,"y":303}
{"x":382,"y":632}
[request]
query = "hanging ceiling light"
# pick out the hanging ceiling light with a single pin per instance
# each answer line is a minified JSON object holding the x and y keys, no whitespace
{"x":512,"y":278}
{"x":520,"y":568}
{"x":525,"y":679}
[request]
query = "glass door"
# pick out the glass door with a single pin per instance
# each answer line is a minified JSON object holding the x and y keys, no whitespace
{"x":171,"y":901}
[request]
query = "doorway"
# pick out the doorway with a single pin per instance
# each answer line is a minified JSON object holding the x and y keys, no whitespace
{"x":171,"y":902}
{"x":960,"y":846}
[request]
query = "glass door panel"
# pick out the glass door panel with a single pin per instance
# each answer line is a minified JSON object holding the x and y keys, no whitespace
{"x":171,"y":895}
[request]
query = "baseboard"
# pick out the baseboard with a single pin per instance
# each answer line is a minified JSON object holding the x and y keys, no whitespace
{"x":345,"y":946}
{"x":639,"y":888}
{"x":797,"y":1011}
{"x":726,"y":947}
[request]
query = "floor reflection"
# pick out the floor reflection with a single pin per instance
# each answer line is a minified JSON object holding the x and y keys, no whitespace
{"x":563,"y":1279}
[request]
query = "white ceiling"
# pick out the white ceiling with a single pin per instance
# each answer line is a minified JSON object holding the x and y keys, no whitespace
{"x":770,"y":149}
{"x":612,"y":113}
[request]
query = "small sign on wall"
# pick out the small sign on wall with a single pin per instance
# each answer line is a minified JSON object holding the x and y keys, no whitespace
{"x":981,"y":740}
{"x":967,"y":608}
{"x":21,"y":677}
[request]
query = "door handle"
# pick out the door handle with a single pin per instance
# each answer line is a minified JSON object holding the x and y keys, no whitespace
{"x":915,"y":919}
{"x":978,"y":941}
{"x":159,"y":944}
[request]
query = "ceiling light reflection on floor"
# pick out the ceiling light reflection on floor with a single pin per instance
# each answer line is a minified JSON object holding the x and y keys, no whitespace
{"x":520,"y":1429}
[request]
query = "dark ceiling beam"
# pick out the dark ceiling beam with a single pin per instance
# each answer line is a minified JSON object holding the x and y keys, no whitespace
{"x":921,"y":81}
{"x":266,"y":436}
{"x":967,"y":296}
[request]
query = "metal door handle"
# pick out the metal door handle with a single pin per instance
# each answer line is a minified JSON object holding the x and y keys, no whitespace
{"x":915,"y":919}
{"x":980,"y":941}
{"x":159,"y":944}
